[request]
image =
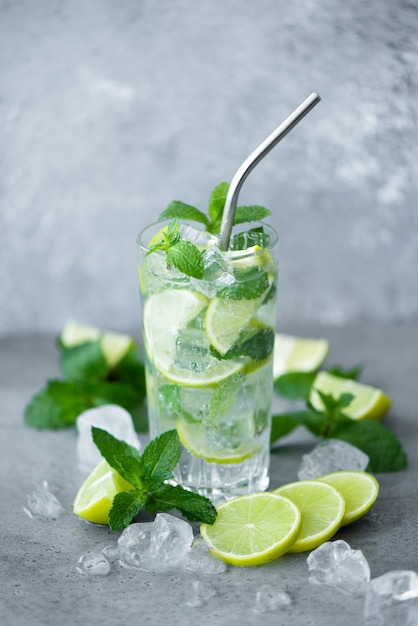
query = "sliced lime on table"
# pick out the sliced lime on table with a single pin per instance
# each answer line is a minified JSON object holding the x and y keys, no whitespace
{"x":166,"y":314}
{"x":368,"y":403}
{"x":114,"y":345}
{"x":94,"y":498}
{"x":253,"y":529}
{"x":359,"y":490}
{"x":322,"y":508}
{"x":296,"y":354}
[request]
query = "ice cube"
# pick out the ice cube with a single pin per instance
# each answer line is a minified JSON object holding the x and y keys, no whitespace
{"x":198,"y":592}
{"x":197,"y":236}
{"x":158,"y":545}
{"x":93,"y":564}
{"x":392,"y":599}
{"x":218,"y":273}
{"x":41,"y":503}
{"x":112,"y":418}
{"x":111,"y":552}
{"x":331,"y":455}
{"x":200,"y":560}
{"x":336,"y":564}
{"x":269,"y":598}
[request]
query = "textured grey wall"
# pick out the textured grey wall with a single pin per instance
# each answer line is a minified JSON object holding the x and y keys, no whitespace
{"x":109,"y":109}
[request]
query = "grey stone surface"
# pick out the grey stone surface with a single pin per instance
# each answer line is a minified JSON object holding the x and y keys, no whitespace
{"x":109,"y":110}
{"x":40,"y":584}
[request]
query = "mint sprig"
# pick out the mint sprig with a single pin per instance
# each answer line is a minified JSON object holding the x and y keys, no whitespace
{"x":183,"y":255}
{"x":385,"y":451}
{"x":148,"y":474}
{"x":89,"y":382}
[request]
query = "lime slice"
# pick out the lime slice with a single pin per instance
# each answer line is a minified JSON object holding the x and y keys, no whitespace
{"x":368,"y":403}
{"x":114,"y":345}
{"x":94,"y":498}
{"x":166,"y":314}
{"x":296,"y":354}
{"x":254,"y":255}
{"x":322,"y":508}
{"x":75,"y":334}
{"x":359,"y":490}
{"x":253,"y":529}
{"x":192,"y":436}
{"x":225,"y":319}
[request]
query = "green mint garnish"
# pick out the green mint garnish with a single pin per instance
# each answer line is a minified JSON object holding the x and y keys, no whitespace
{"x":184,"y":255}
{"x":256,"y":343}
{"x":250,"y":283}
{"x":89,"y":382}
{"x":385,"y":451}
{"x":148,"y":474}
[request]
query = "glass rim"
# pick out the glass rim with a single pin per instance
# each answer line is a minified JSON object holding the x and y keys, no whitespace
{"x":273,"y":243}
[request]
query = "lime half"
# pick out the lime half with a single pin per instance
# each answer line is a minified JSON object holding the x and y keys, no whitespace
{"x":322,"y":508}
{"x":296,"y":354}
{"x":94,"y":498}
{"x":114,"y":345}
{"x":368,"y":403}
{"x":253,"y":529}
{"x":359,"y":490}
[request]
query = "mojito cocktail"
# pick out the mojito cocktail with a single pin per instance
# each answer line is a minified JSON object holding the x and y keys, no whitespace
{"x":208,"y":353}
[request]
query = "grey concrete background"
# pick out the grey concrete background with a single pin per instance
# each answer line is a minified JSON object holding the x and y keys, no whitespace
{"x":109,"y":110}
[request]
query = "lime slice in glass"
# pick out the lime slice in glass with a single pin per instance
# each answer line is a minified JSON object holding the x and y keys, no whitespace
{"x":253,"y":529}
{"x":368,"y":403}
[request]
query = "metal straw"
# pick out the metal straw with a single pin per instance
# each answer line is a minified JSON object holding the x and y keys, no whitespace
{"x":254,"y":158}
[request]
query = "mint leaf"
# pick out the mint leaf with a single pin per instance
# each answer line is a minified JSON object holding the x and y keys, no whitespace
{"x":85,"y":361}
{"x":353,"y":373}
{"x":257,"y":344}
{"x":129,"y":468}
{"x":130,"y":370}
{"x":250,"y":283}
{"x":252,"y":237}
{"x":186,"y":258}
{"x":284,"y":423}
{"x":382,"y":446}
{"x":57,"y":405}
{"x":180,"y":210}
{"x":111,"y":447}
{"x":295,"y":385}
{"x":125,"y":506}
{"x":170,"y":398}
{"x":217,"y":201}
{"x":194,"y":507}
{"x":159,"y":459}
{"x":252,"y":213}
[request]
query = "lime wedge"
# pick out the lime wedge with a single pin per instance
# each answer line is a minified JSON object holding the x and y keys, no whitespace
{"x":253,"y":529}
{"x":359,"y":490}
{"x":192,"y":436}
{"x":322,"y":508}
{"x":296,"y":354}
{"x":94,"y":498}
{"x":225,"y":319}
{"x":166,"y":314}
{"x":368,"y":403}
{"x":114,"y":345}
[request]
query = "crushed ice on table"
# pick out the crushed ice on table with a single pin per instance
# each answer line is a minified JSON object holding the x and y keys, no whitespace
{"x":218,"y":273}
{"x":392,"y":599}
{"x":112,"y":418}
{"x":269,"y":598}
{"x":41,"y":503}
{"x":111,"y":552}
{"x":331,"y":455}
{"x":93,"y":564}
{"x":158,"y":545}
{"x":336,"y":564}
{"x":200,"y":560}
{"x":198,"y":592}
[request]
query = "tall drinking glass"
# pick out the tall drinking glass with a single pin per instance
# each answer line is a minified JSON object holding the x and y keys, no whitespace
{"x":208,"y":355}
